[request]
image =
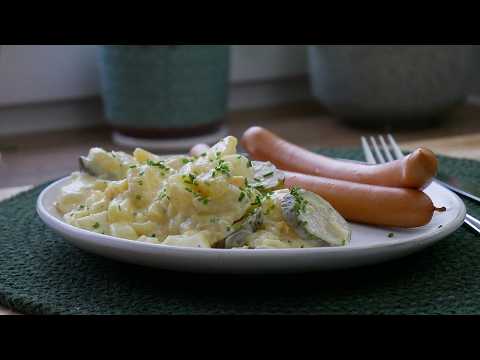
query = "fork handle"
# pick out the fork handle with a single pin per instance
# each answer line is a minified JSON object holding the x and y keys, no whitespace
{"x":473,"y":223}
{"x":457,"y":190}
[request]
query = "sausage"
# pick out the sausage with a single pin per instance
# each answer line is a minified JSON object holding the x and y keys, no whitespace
{"x":369,"y":204}
{"x":199,"y":149}
{"x":415,"y":171}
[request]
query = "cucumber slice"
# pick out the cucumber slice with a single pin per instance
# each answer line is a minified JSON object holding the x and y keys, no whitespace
{"x":243,"y":229}
{"x":267,"y":176}
{"x":313,"y":218}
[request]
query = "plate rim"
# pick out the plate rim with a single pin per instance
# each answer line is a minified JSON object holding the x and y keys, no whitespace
{"x":99,"y":239}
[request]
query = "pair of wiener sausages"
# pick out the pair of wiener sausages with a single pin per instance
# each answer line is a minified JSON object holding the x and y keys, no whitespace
{"x":385,"y":194}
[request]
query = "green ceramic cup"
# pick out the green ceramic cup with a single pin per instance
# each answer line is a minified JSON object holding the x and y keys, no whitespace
{"x":160,"y":91}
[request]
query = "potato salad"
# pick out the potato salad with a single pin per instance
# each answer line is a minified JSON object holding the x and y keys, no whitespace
{"x":219,"y":199}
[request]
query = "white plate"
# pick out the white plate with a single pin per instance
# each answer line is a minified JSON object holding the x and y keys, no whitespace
{"x":369,"y":245}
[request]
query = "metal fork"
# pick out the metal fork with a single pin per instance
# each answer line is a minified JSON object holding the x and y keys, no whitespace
{"x":396,"y":153}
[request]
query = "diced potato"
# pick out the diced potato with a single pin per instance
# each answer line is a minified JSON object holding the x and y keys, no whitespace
{"x":145,"y":228}
{"x":272,"y":209}
{"x":123,"y":230}
{"x":226,"y":146}
{"x":239,"y":166}
{"x":157,"y":211}
{"x":224,"y":199}
{"x":120,"y":210}
{"x":116,"y":187}
{"x":238,"y":181}
{"x":180,"y":198}
{"x":149,"y":240}
{"x":176,"y":162}
{"x":75,"y":192}
{"x":94,"y":197}
{"x":67,"y":202}
{"x":143,"y":185}
{"x":95,"y":222}
{"x":101,"y":185}
{"x":199,"y":240}
{"x":142,"y":156}
{"x":75,"y":214}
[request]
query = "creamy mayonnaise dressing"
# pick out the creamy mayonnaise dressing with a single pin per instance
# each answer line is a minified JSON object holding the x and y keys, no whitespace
{"x":176,"y":201}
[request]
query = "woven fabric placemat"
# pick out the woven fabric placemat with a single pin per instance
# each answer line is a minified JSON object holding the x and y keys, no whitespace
{"x":40,"y":273}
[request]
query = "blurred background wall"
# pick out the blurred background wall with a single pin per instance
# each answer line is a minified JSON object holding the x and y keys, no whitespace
{"x":261,"y":75}
{"x":35,"y":73}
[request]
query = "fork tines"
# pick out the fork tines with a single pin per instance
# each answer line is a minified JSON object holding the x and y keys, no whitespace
{"x":382,"y":151}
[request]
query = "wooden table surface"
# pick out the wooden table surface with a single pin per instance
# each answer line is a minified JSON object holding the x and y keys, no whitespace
{"x":36,"y":158}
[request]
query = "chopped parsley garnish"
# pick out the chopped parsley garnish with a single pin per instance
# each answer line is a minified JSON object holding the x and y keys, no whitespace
{"x":189,"y":179}
{"x":259,"y":187}
{"x":391,"y":235}
{"x":249,"y":165}
{"x":267,"y":195}
{"x":203,"y":154}
{"x":440,"y":226}
{"x":203,"y":199}
{"x":218,"y":155}
{"x":81,"y":207}
{"x":221,"y":168}
{"x":229,"y":228}
{"x":153,"y":235}
{"x":163,"y":194}
{"x":268,"y":175}
{"x":96,"y":225}
{"x":258,"y":201}
{"x":141,"y":173}
{"x":140,"y":182}
{"x":300,"y":202}
{"x":242,"y":196}
{"x":132,"y":166}
{"x":158,"y":164}
{"x":186,"y":161}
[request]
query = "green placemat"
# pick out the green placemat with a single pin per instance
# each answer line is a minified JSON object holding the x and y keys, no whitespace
{"x":42,"y":274}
